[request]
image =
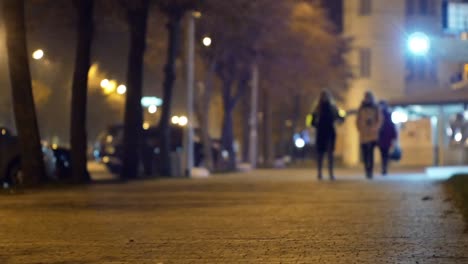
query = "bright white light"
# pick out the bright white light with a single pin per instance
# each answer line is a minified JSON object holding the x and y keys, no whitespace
{"x":175,"y":120}
{"x":38,"y":54}
{"x":418,"y":43}
{"x":122,"y":89}
{"x":449,"y":131}
{"x":152,"y":109}
{"x":183,"y":121}
{"x":299,"y":142}
{"x":399,"y":117}
{"x":105,"y":83}
{"x":458,"y":137}
{"x":147,"y":101}
{"x":207,"y":41}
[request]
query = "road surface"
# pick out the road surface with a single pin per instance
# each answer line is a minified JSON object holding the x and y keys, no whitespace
{"x":283,"y":216}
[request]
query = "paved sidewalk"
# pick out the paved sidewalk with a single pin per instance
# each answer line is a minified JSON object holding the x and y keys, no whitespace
{"x":262,"y":217}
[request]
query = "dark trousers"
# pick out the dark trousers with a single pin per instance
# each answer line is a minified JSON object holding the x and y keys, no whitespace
{"x":329,"y":150}
{"x":385,"y":156}
{"x":367,"y":150}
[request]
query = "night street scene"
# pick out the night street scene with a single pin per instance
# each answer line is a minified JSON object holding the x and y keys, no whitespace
{"x":240,"y":131}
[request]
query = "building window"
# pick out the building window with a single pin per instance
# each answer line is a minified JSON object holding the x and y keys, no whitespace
{"x":365,"y":7}
{"x":365,"y":62}
{"x":420,"y":69}
{"x":423,"y":7}
{"x":427,"y":7}
{"x":410,"y":7}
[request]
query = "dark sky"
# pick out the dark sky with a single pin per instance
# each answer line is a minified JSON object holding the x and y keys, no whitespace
{"x":335,"y":12}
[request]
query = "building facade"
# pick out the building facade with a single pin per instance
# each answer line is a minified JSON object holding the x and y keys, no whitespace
{"x":380,"y":58}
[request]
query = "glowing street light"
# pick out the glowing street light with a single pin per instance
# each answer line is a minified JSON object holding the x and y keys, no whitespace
{"x":121,"y":89}
{"x":183,"y":121}
{"x":38,"y":54}
{"x":146,"y":125}
{"x":104,"y":83}
{"x":207,"y":41}
{"x":299,"y":142}
{"x":175,"y":120}
{"x":419,"y":43}
{"x":152,"y":109}
{"x":109,"y":86}
{"x":399,"y":117}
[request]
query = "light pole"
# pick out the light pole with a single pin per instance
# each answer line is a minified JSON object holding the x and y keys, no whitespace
{"x":253,"y":118}
{"x":190,"y":83}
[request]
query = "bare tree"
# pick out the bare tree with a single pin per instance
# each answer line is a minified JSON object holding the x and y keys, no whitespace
{"x":23,"y":102}
{"x":137,"y":15}
{"x":78,"y":132}
{"x":291,"y":41}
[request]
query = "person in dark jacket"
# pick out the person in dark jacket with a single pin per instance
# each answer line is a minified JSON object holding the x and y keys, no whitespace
{"x":324,"y":118}
{"x":387,"y":135}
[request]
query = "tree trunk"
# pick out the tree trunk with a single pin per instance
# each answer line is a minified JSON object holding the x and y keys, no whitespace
{"x":246,"y":130}
{"x":295,"y":120}
{"x":78,"y":132}
{"x":227,"y":129}
{"x":133,"y":110}
{"x":268,"y":130}
{"x":284,"y":135}
{"x":205,"y":119}
{"x":23,"y":101}
{"x":168,"y":85}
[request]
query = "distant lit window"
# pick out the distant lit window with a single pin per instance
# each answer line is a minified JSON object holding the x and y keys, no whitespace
{"x":457,"y":16}
{"x":427,"y":7}
{"x":365,"y":7}
{"x":410,"y":68}
{"x":423,"y":7}
{"x":410,"y":4}
{"x":365,"y":62}
{"x":420,"y":69}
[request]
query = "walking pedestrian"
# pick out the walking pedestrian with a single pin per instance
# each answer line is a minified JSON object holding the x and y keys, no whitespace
{"x":324,"y":117}
{"x":387,"y":136}
{"x":369,"y":120}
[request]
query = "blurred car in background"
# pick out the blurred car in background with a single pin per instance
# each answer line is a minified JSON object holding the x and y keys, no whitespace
{"x":57,"y":160}
{"x":108,"y":148}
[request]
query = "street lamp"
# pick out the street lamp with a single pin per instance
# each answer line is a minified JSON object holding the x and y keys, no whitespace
{"x":175,"y":120}
{"x":419,"y":43}
{"x":207,"y":41}
{"x":121,"y":89}
{"x":183,"y":121}
{"x":152,"y":109}
{"x":38,"y":54}
{"x":104,"y":83}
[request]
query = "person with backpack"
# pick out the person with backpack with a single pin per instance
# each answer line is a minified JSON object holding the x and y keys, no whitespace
{"x":324,"y":117}
{"x":387,"y":136}
{"x":369,"y":120}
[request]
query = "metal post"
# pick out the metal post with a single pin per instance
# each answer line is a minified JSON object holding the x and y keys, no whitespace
{"x":253,"y":118}
{"x":190,"y":83}
{"x":440,"y":136}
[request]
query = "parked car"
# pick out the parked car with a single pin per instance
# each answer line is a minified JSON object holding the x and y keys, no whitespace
{"x":56,"y":160}
{"x":108,"y":148}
